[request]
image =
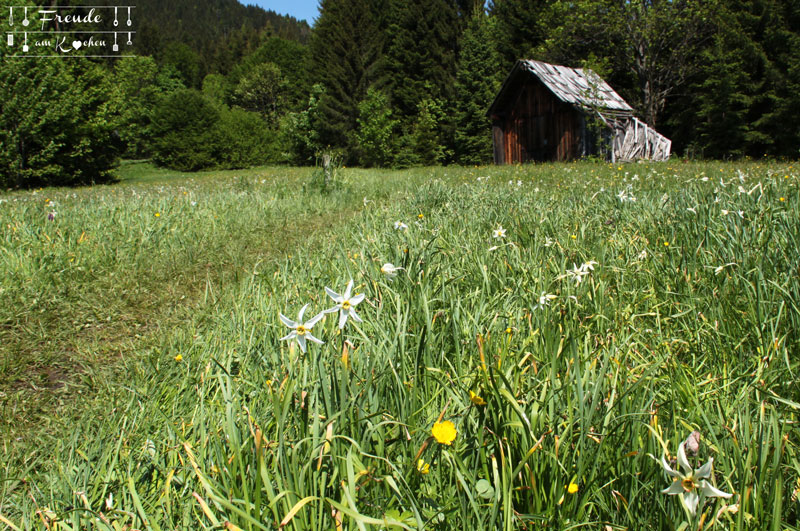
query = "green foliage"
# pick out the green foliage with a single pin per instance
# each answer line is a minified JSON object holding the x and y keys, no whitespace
{"x":54,"y":126}
{"x":345,"y":47}
{"x":424,"y":145}
{"x":262,"y":90}
{"x":182,"y":59}
{"x":216,"y":88}
{"x":185,"y":132}
{"x":245,"y":139}
{"x":302,"y":130}
{"x":375,"y":130}
{"x":477,"y":83}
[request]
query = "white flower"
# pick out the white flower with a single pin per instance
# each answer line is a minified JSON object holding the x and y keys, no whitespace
{"x":345,"y":304}
{"x":399,"y":225}
{"x":499,"y":232}
{"x":390,"y":270}
{"x":301,"y":330}
{"x":691,"y":485}
{"x":643,"y":255}
{"x":724,"y":212}
{"x":110,"y":501}
{"x":544,"y":300}
{"x":577,"y":273}
{"x":548,"y":241}
{"x":692,"y":210}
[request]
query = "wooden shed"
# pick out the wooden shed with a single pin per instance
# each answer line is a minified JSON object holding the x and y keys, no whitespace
{"x":547,"y":112}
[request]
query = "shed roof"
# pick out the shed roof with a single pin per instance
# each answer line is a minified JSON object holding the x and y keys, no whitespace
{"x":576,"y":86}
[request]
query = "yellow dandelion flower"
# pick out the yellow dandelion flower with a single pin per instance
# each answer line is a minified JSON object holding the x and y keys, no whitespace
{"x":782,"y":199}
{"x":423,"y":467}
{"x":158,"y":215}
{"x":666,"y":244}
{"x":444,"y":432}
{"x":476,"y":399}
{"x":573,"y":237}
{"x":179,"y":357}
{"x":420,"y":216}
{"x":572,"y":488}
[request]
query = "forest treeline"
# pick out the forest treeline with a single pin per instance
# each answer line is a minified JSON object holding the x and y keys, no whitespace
{"x":393,"y":83}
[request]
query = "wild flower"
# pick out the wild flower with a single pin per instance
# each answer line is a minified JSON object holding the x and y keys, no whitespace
{"x":544,"y":300}
{"x":345,"y":304}
{"x":691,"y":485}
{"x":390,"y":270}
{"x":577,"y":273}
{"x":399,"y":225}
{"x":444,"y":432}
{"x":548,"y":241}
{"x":301,"y":331}
{"x":52,"y":215}
{"x":572,"y":488}
{"x":476,"y":399}
{"x":423,"y":467}
{"x":499,"y":232}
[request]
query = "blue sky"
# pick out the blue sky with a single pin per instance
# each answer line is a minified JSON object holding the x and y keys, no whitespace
{"x":299,"y":9}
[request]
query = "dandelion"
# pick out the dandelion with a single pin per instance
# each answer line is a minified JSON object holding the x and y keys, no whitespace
{"x":420,"y":216}
{"x":782,"y":199}
{"x":179,"y":358}
{"x":301,"y":331}
{"x":499,"y":232}
{"x":399,"y":225}
{"x":691,"y":485}
{"x":345,"y":304}
{"x":666,"y":244}
{"x":444,"y":432}
{"x":423,"y":467}
{"x":573,"y":236}
{"x":158,"y":214}
{"x":572,"y":488}
{"x":476,"y":399}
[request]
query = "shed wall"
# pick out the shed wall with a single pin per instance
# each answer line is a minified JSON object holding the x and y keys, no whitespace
{"x":540,"y":127}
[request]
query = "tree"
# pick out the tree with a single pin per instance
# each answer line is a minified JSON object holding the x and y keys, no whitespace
{"x":477,"y":82}
{"x":53,"y":127}
{"x":345,"y":47}
{"x":522,"y":27}
{"x":375,"y":129}
{"x":262,"y":90}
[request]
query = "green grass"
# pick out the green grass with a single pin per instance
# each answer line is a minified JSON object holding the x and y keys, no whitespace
{"x":688,"y":321}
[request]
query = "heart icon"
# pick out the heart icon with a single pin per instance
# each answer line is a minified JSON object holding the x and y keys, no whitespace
{"x":77,"y":44}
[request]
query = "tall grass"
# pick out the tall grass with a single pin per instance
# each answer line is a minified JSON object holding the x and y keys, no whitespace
{"x":688,"y":321}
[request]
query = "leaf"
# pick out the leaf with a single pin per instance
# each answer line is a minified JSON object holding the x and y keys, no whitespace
{"x":484,"y":489}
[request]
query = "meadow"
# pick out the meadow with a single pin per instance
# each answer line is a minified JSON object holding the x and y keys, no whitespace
{"x":533,"y":347}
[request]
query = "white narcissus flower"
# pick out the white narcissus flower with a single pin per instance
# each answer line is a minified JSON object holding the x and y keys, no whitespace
{"x":399,"y":225}
{"x":345,"y":304}
{"x":390,"y":270}
{"x":544,"y":300}
{"x":499,"y":232}
{"x":301,"y":331}
{"x":691,"y":485}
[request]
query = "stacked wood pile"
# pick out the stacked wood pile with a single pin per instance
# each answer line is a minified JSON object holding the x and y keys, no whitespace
{"x":633,"y":139}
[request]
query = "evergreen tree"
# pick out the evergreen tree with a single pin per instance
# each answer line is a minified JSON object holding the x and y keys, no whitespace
{"x":522,"y":26}
{"x":375,"y":129}
{"x":345,"y":46}
{"x":477,"y":82}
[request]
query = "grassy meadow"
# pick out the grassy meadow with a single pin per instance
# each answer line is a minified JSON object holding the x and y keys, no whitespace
{"x":534,"y":340}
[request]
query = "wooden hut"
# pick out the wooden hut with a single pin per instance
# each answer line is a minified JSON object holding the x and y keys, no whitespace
{"x":547,"y":112}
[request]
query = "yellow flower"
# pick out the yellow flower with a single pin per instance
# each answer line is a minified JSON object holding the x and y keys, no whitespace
{"x":476,"y":399}
{"x":179,"y":357}
{"x":572,"y":488}
{"x":666,"y":244}
{"x":423,"y":467}
{"x":444,"y":432}
{"x":573,"y":237}
{"x":158,"y":215}
{"x":783,"y":199}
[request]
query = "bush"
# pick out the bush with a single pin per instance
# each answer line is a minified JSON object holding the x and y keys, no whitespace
{"x":245,"y":140}
{"x":185,"y":131}
{"x":53,"y":128}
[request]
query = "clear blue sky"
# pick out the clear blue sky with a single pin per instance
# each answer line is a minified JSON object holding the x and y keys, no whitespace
{"x":299,"y":9}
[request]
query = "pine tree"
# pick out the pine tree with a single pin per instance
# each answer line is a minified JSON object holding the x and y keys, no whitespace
{"x":522,"y":26}
{"x":345,"y":46}
{"x":477,"y":82}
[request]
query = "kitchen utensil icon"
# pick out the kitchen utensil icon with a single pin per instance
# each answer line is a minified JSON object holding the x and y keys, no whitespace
{"x":116,"y":22}
{"x":130,"y":42}
{"x":11,"y":39}
{"x":26,"y":21}
{"x":129,"y":15}
{"x":115,"y":48}
{"x":11,"y":16}
{"x":25,"y":46}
